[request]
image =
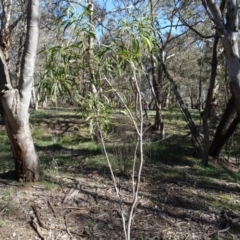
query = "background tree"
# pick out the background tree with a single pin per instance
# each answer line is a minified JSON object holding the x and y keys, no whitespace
{"x":183,"y":42}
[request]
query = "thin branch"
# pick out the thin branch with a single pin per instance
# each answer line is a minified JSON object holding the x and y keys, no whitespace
{"x":176,"y":25}
{"x":14,"y":24}
{"x":113,"y":177}
{"x":135,"y":199}
{"x":192,"y":127}
{"x":194,"y":30}
{"x":134,"y":166}
{"x":125,"y":106}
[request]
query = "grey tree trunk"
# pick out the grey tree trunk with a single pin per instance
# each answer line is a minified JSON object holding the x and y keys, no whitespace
{"x":229,"y":35}
{"x":207,"y":108}
{"x":15,"y":102}
{"x":225,"y":129}
{"x":227,"y":29}
{"x":191,"y":125}
{"x":157,"y":80}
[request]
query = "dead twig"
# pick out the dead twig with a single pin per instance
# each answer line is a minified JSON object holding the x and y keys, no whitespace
{"x":219,"y":231}
{"x":51,"y":208}
{"x":67,"y":225}
{"x":39,"y":187}
{"x":35,"y":227}
{"x":3,"y":209}
{"x":71,"y":193}
{"x":235,"y":220}
{"x":42,"y":224}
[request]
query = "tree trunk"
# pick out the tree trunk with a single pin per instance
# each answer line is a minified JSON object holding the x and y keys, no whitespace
{"x":228,"y":30}
{"x":24,"y":154}
{"x":15,"y":102}
{"x":156,"y":87}
{"x":192,"y":127}
{"x":208,"y":103}
{"x":200,"y":83}
{"x":229,"y":36}
{"x":226,"y":128}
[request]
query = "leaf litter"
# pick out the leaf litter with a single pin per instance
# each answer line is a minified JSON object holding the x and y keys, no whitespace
{"x":87,"y":208}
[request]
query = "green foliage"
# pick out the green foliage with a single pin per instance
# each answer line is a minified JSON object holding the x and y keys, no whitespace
{"x":60,"y":80}
{"x":132,"y":39}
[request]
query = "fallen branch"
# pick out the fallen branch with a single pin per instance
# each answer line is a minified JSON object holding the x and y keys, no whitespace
{"x":35,"y":227}
{"x":219,"y":231}
{"x":51,"y":208}
{"x":67,"y":225}
{"x":71,"y":193}
{"x":41,"y":223}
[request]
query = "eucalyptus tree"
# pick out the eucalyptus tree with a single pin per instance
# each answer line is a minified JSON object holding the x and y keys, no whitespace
{"x":225,"y":18}
{"x":15,"y":101}
{"x":168,"y":41}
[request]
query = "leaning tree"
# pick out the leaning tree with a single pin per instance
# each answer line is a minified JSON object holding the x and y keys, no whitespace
{"x":14,"y":104}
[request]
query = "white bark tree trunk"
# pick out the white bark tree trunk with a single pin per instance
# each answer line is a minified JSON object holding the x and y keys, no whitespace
{"x":15,"y":102}
{"x":228,"y":30}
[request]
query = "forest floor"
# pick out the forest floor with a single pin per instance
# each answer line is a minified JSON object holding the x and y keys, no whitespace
{"x":75,"y":199}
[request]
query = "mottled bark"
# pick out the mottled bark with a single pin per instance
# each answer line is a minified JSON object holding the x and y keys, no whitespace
{"x":15,"y":102}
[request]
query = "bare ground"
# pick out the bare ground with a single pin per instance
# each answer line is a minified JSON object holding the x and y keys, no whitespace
{"x":76,"y":201}
{"x":86,"y":207}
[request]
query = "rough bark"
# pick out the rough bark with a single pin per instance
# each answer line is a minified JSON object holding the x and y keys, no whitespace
{"x":15,"y":102}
